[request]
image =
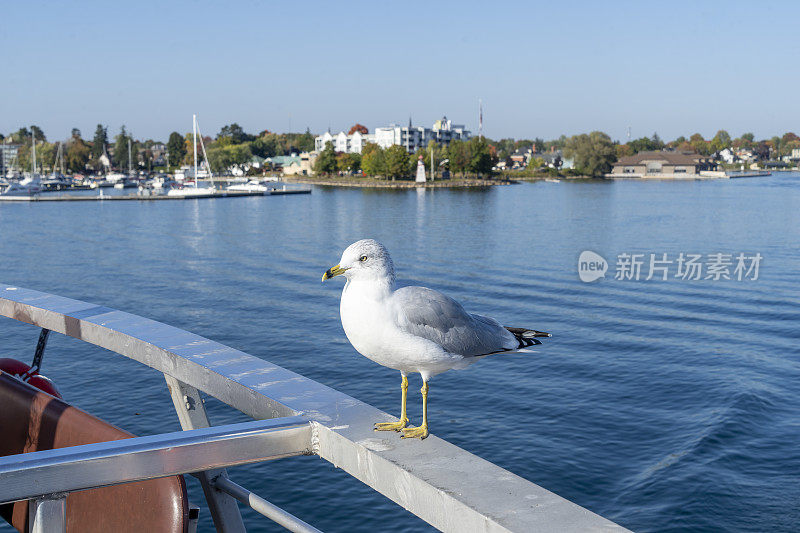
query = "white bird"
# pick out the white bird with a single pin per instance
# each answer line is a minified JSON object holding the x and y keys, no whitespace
{"x":413,"y":329}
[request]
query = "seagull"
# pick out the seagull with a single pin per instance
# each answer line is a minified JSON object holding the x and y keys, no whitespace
{"x":413,"y":329}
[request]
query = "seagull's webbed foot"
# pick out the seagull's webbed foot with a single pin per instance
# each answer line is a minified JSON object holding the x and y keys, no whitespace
{"x":392,"y":426}
{"x":419,"y":432}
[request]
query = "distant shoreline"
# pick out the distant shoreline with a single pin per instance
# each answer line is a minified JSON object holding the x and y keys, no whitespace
{"x":399,"y":184}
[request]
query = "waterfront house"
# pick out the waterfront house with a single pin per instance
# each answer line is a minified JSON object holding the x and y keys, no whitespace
{"x":293,"y":165}
{"x":727,"y":155}
{"x":521,"y":157}
{"x":661,"y":164}
{"x":301,"y":165}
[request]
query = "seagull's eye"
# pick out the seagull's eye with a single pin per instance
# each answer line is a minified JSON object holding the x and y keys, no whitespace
{"x":362,"y":258}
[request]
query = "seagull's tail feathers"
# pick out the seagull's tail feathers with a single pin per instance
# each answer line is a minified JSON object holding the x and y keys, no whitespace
{"x":527,"y":337}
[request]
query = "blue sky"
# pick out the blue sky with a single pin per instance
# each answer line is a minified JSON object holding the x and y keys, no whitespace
{"x":541,"y":68}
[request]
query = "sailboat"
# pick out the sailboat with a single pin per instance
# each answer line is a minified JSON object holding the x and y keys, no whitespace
{"x":57,"y":180}
{"x":128,"y":181}
{"x":195,"y":191}
{"x":31,"y":183}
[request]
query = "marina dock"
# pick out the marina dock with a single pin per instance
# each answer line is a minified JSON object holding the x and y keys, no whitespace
{"x":146,"y":197}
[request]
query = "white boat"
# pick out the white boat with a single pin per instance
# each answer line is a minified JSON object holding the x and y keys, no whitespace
{"x":552,"y":180}
{"x":114,"y":177}
{"x":196,"y":191}
{"x":30,"y":183}
{"x":250,"y":186}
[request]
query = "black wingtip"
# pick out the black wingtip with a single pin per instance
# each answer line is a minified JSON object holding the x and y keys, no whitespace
{"x":528,"y":337}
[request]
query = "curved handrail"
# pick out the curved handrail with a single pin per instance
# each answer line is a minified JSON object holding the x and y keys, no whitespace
{"x":444,"y":485}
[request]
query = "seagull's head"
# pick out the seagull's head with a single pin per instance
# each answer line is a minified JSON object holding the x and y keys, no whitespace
{"x":366,"y":259}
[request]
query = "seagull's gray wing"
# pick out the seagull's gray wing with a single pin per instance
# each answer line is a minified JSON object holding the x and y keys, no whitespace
{"x":434,"y":316}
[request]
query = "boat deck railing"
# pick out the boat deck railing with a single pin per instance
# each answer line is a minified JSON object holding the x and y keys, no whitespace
{"x":446,"y":486}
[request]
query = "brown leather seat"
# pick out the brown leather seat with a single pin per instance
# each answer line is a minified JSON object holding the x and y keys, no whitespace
{"x":32,"y":420}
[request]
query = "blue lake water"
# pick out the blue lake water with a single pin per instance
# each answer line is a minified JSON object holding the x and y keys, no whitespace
{"x":662,"y":405}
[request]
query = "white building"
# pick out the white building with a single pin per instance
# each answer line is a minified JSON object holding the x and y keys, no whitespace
{"x":413,"y":138}
{"x":410,"y":137}
{"x":342,"y":142}
{"x":727,"y":155}
{"x":445,"y":131}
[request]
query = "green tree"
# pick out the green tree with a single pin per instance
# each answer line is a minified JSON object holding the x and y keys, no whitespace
{"x":77,"y":155}
{"x":350,"y":163}
{"x":434,"y":149}
{"x":189,"y":144}
{"x":45,"y":156}
{"x":481,"y":160}
{"x":788,"y":142}
{"x":99,"y":142}
{"x":623,"y":150}
{"x":721,"y":141}
{"x":22,"y":136}
{"x":176,"y":148}
{"x":397,"y":162}
{"x":45,"y":153}
{"x":373,"y":160}
{"x":121,"y":149}
{"x":37,"y":131}
{"x":305,"y":142}
{"x":267,"y":145}
{"x":458,"y":157}
{"x":326,"y":161}
{"x":235,"y":134}
{"x":645,"y":144}
{"x":222,"y":157}
{"x":23,"y":154}
{"x":657,"y":142}
{"x":593,"y":153}
{"x":699,"y":144}
{"x":775,"y":143}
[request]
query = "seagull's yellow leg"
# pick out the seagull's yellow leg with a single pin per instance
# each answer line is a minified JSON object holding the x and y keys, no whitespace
{"x":403,"y":422}
{"x":422,"y":431}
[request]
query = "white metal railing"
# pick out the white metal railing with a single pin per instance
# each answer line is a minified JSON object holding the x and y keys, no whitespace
{"x":444,"y":485}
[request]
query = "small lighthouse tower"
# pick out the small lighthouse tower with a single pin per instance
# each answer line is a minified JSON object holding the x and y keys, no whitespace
{"x":421,"y":176}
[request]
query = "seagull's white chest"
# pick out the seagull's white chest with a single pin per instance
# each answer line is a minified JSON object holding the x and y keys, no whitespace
{"x":365,"y":320}
{"x":372,"y":330}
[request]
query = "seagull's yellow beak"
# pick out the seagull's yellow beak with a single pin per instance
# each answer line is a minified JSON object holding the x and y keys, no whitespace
{"x":333,"y":272}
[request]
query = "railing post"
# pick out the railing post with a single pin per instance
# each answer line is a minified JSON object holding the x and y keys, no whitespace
{"x":48,"y":514}
{"x":192,"y":415}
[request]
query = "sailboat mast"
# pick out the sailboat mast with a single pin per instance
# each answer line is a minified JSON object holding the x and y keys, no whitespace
{"x":194,"y":146}
{"x":33,"y":149}
{"x":129,"y":158}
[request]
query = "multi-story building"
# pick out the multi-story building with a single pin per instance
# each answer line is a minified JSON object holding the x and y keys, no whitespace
{"x":413,"y":138}
{"x":445,"y":131}
{"x":343,"y":142}
{"x":8,"y":156}
{"x":410,"y":137}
